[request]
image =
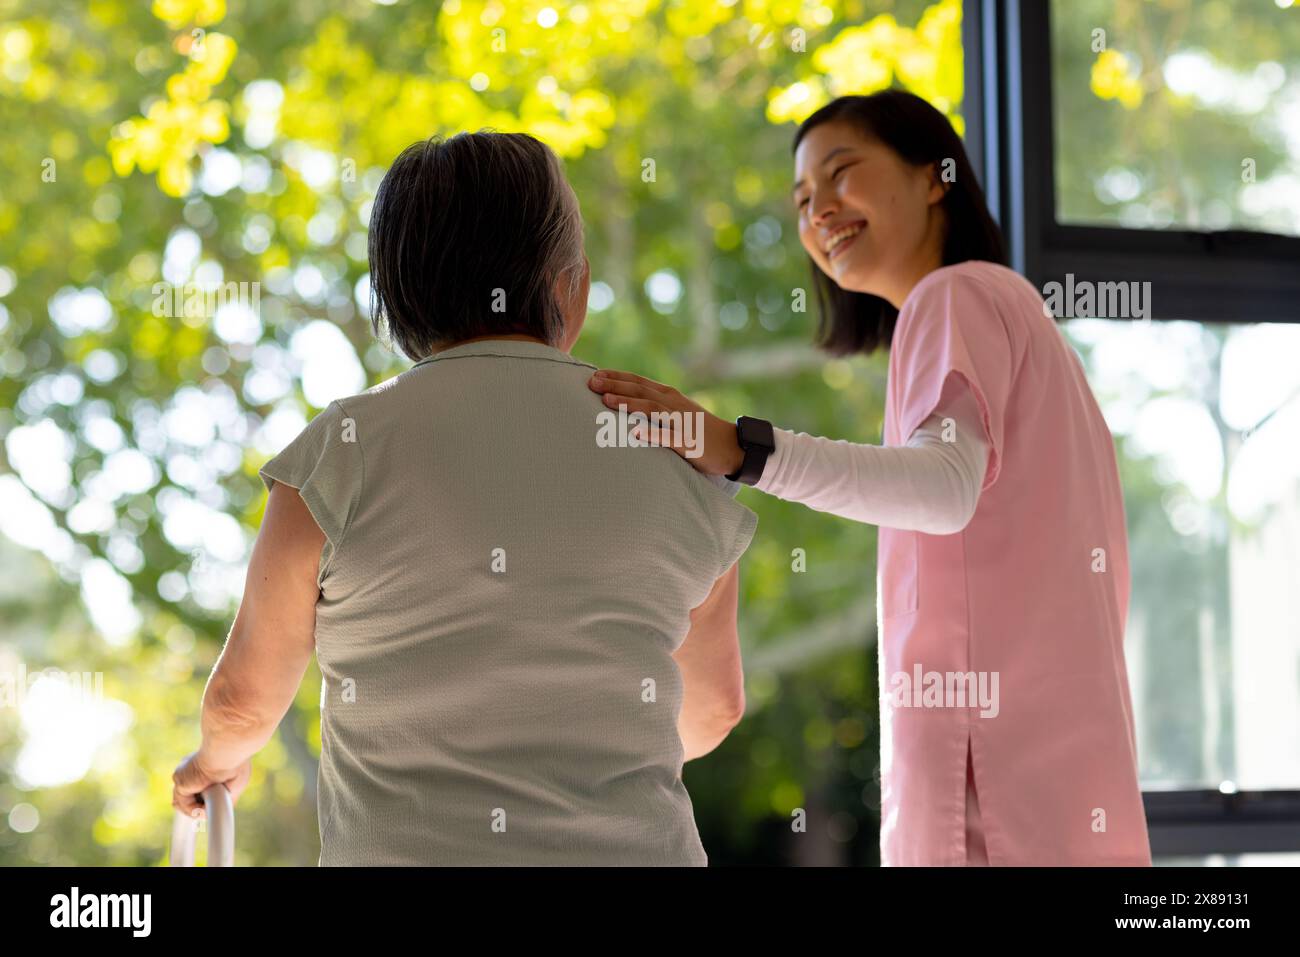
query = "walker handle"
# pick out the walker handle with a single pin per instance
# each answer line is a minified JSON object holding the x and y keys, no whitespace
{"x":220,"y":811}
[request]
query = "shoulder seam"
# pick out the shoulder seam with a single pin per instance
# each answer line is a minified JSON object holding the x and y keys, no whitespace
{"x":361,"y":452}
{"x":1018,"y":357}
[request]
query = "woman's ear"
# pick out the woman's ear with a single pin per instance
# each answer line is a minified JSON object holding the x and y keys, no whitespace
{"x":571,"y":291}
{"x":584,"y":284}
{"x":572,"y":296}
{"x":941,"y":173}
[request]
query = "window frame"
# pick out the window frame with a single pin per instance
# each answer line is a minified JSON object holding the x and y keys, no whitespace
{"x":1224,"y":276}
{"x":1229,"y":276}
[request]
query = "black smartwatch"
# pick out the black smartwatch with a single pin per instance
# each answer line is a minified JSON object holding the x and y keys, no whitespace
{"x":756,"y":439}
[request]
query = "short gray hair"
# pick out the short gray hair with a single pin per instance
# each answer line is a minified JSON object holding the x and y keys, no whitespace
{"x":468,"y":237}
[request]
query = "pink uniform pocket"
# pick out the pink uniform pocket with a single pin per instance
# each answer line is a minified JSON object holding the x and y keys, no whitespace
{"x":897,"y":570}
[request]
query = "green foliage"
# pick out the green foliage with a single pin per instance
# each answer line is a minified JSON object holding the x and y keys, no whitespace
{"x":113,"y":119}
{"x":115,"y":115}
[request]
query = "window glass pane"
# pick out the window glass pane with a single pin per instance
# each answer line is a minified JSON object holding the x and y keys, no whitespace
{"x":1181,"y":114}
{"x":1206,"y":420}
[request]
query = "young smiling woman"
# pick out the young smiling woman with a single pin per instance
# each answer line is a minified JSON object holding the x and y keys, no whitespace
{"x":1002,"y":543}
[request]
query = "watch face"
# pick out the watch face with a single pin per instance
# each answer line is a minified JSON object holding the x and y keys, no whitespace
{"x":755,"y":432}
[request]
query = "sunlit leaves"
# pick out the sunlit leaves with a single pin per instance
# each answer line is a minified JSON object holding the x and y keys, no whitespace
{"x":179,"y":13}
{"x":797,"y":101}
{"x":23,"y":70}
{"x":926,"y":59}
{"x":308,"y":93}
{"x":930,"y":61}
{"x":861,"y":59}
{"x":168,"y":137}
{"x":1114,"y":78}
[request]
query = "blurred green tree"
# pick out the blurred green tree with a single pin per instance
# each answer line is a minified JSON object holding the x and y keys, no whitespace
{"x":206,"y":142}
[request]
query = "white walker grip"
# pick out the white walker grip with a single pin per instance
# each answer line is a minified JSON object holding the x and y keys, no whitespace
{"x":220,"y":811}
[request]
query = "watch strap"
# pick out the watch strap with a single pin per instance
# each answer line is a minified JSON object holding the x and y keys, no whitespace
{"x":756,"y":439}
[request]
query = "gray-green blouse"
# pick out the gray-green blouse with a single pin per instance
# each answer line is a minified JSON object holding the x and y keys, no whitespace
{"x":501,"y":592}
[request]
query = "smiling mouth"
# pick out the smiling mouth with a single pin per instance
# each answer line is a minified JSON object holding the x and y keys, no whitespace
{"x":841,"y":239}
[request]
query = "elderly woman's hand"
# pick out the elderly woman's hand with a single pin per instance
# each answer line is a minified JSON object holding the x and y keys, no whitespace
{"x":707,"y":442}
{"x":192,"y":776}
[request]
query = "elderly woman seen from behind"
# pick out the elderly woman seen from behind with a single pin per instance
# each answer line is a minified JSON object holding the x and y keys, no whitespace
{"x":523,"y":632}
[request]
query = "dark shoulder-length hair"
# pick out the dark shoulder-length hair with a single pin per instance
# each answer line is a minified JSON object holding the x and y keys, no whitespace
{"x":854,"y":322}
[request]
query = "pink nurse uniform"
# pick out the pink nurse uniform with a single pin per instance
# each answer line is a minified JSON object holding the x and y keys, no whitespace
{"x":1034,"y":592}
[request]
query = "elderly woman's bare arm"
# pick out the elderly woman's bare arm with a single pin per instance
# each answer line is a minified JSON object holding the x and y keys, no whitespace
{"x":267,"y":652}
{"x":713,"y":681}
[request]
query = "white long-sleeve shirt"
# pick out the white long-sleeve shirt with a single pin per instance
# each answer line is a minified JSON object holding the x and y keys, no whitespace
{"x":931,"y":484}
